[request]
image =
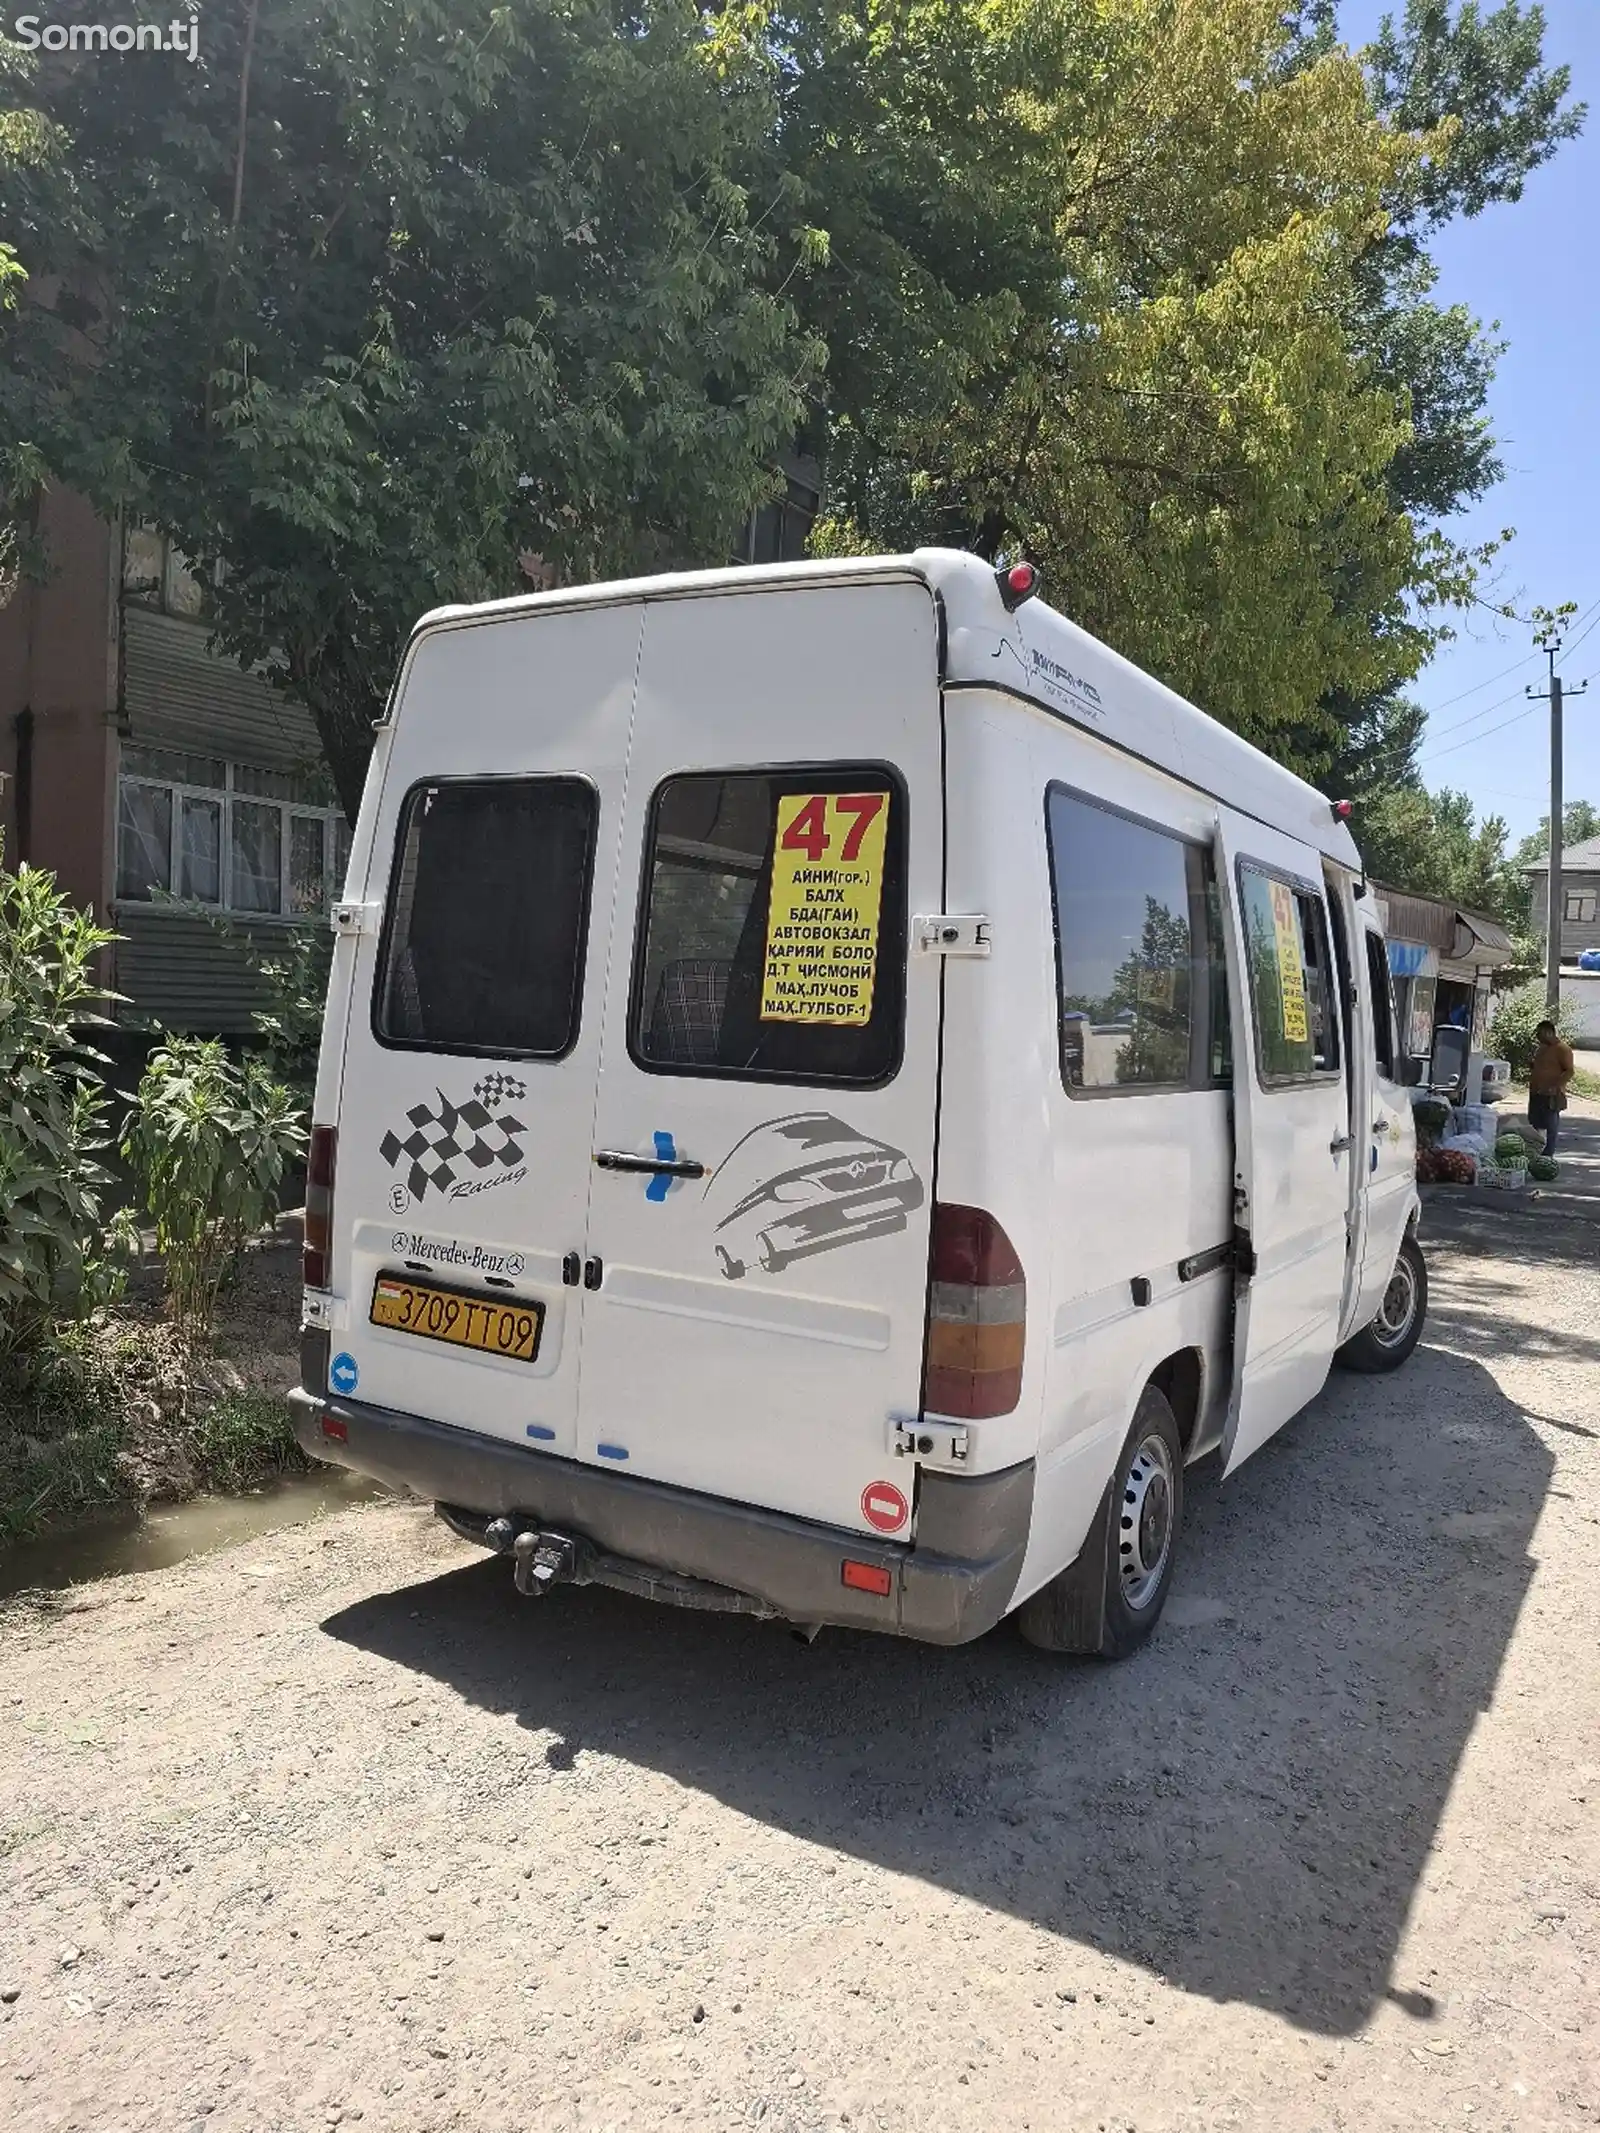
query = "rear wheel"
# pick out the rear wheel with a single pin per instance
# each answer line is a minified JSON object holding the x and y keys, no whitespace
{"x":1385,"y":1344}
{"x":1111,"y":1598}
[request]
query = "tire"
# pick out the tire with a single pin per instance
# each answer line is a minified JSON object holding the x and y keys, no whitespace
{"x":1389,"y":1339}
{"x":1109,"y":1601}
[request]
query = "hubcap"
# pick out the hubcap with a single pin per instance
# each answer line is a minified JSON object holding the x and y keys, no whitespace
{"x":1144,"y":1535}
{"x":1395,"y":1313}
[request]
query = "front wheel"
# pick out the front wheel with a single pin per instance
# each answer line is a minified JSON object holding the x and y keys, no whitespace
{"x":1385,"y":1344}
{"x":1111,"y":1598}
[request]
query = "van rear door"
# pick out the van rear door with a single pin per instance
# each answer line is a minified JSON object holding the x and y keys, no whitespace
{"x":1292,"y":1141}
{"x":764,"y":1128}
{"x":462,"y":1180}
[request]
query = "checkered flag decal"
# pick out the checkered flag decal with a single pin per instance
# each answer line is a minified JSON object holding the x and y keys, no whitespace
{"x":496,"y":1088}
{"x":447,"y":1143}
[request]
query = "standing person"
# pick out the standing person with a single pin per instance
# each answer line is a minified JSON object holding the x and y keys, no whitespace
{"x":1549,"y":1079}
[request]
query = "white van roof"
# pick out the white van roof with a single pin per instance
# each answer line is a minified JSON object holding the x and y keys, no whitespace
{"x":1035,"y":653}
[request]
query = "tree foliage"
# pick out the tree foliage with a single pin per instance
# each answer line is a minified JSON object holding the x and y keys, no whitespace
{"x":378,"y":297}
{"x":1120,"y":345}
{"x":407,"y":291}
{"x":1580,"y":820}
{"x":1434,"y":845}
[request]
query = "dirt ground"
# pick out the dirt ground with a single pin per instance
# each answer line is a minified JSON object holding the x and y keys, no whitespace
{"x":334,"y":1828}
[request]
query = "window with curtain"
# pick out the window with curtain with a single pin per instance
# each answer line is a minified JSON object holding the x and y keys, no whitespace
{"x":233,"y":836}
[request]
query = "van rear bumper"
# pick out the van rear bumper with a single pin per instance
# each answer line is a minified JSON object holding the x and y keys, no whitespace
{"x":952,"y":1585}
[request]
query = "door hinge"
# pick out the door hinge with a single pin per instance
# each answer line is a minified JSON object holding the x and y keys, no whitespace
{"x":950,"y":1441}
{"x":357,"y":918}
{"x":1244,"y":1255}
{"x":943,"y":933}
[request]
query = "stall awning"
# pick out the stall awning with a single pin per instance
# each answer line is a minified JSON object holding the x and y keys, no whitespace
{"x":1457,"y":935}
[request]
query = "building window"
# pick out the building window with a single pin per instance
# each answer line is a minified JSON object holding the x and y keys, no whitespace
{"x":155,"y":574}
{"x":1578,"y":906}
{"x":263,"y":843}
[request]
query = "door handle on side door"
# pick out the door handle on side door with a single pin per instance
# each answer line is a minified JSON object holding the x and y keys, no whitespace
{"x":1381,"y":1125}
{"x":1339,"y":1143}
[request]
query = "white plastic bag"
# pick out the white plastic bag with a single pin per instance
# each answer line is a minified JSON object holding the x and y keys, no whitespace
{"x":1477,"y":1145}
{"x":1476,"y":1119}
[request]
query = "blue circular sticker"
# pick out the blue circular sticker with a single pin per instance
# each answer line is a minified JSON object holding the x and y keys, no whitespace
{"x":343,"y":1375}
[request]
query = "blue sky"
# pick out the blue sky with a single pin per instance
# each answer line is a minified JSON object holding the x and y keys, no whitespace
{"x":1528,"y":264}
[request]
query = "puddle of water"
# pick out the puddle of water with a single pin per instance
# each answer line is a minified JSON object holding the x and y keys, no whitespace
{"x":171,"y":1533}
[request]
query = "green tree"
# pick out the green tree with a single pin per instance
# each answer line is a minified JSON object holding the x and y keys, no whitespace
{"x":375,"y":299}
{"x":1434,"y":845}
{"x":1580,"y":820}
{"x":1118,"y":342}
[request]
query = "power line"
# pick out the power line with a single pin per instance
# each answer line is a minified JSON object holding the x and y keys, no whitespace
{"x":1474,"y":737}
{"x":1456,"y":724}
{"x":1397,"y":751}
{"x":1489,"y":684}
{"x":1594,"y":613}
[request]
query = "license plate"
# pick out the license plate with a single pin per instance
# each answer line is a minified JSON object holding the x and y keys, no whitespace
{"x":455,"y":1315}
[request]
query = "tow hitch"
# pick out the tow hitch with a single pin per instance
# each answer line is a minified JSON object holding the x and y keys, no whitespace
{"x":542,"y":1559}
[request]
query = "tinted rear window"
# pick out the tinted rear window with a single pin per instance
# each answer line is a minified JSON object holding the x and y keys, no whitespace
{"x":488,"y":908}
{"x":774,"y":933}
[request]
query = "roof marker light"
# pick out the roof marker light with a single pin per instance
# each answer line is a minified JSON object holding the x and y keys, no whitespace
{"x":1017,"y":582}
{"x":1343,"y":810}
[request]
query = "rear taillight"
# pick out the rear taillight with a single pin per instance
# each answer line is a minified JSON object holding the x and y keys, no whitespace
{"x":317,"y":1258}
{"x":977,"y":1313}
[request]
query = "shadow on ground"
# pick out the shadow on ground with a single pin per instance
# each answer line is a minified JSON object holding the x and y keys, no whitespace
{"x":1245,"y":1808}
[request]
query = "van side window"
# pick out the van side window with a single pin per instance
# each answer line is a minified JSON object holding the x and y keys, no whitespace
{"x":1381,"y":986}
{"x":1291,"y":983}
{"x":772,"y":941}
{"x":488,"y":910}
{"x":1142,"y":981}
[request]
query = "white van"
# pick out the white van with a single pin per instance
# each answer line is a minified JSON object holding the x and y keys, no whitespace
{"x":836,"y":1087}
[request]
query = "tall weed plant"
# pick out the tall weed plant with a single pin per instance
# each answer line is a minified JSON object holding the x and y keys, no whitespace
{"x":292,"y":979}
{"x":56,"y":1260}
{"x":208,"y":1141}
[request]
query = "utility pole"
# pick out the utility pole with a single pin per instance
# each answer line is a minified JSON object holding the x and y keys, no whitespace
{"x":1555,"y":902}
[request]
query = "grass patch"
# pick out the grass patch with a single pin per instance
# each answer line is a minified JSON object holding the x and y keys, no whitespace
{"x":122,"y":1410}
{"x":242,"y":1438}
{"x":59,"y":1478}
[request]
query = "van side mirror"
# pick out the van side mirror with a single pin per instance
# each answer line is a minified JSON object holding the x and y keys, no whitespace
{"x":1409,"y":1073}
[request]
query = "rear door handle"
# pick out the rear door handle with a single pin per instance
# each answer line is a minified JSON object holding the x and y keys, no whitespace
{"x":1339,"y":1143}
{"x":1381,"y":1125}
{"x":655,"y":1166}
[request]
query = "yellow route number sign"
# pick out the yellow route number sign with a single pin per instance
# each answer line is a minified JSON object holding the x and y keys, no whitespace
{"x":1291,"y":971}
{"x":823,"y":915}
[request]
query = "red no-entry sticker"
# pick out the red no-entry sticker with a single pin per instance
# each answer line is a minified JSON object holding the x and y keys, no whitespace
{"x":883,"y":1506}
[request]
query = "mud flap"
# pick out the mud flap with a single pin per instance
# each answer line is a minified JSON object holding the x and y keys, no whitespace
{"x":1069,"y":1614}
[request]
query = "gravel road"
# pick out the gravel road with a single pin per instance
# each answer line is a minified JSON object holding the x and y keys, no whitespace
{"x":333,"y":1828}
